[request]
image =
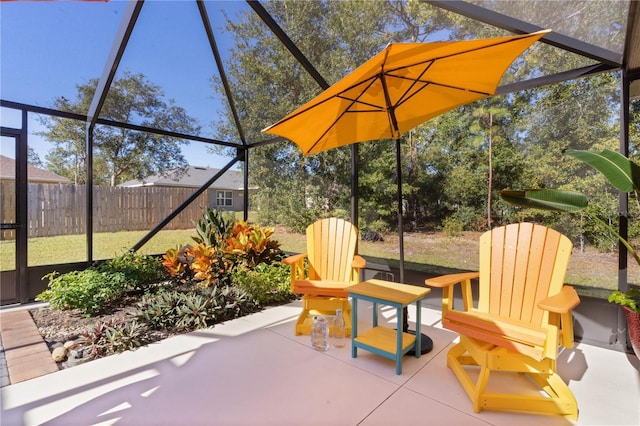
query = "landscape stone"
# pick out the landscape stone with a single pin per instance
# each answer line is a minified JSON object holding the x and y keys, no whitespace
{"x":59,"y":354}
{"x":71,"y":344}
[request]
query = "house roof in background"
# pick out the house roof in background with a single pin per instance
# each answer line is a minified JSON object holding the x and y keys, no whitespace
{"x":34,"y":174}
{"x":194,"y":177}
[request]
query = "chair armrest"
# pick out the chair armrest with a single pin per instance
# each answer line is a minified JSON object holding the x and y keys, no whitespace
{"x":359,"y":262}
{"x":294,"y":258}
{"x":296,"y":262}
{"x":559,"y":307}
{"x":562,"y":302}
{"x":447,"y":282}
{"x":451,"y":279}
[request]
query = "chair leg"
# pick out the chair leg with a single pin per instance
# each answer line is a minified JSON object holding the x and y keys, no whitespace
{"x":322,"y":305}
{"x":481,"y":385}
{"x":301,"y":327}
{"x":559,"y":399}
{"x":455,"y":361}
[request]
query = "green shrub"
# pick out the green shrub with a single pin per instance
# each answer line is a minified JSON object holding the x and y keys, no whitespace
{"x":629,"y":298}
{"x":159,"y":310}
{"x":452,"y":227}
{"x":377,"y":225}
{"x":266,"y":283}
{"x":232,"y":302}
{"x":195,"y":311}
{"x":177,"y":310}
{"x":107,"y":338}
{"x":91,"y":289}
{"x":197,"y":308}
{"x":87,"y":290}
{"x":140,"y":269}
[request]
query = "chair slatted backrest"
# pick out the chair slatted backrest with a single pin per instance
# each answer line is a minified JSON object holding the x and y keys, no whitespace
{"x":331,"y":247}
{"x":520,"y":264}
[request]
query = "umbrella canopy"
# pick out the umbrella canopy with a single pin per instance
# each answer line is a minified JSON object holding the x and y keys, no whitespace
{"x":404,"y":85}
{"x":399,"y":88}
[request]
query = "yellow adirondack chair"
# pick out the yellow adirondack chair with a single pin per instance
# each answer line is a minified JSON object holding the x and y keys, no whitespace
{"x":331,"y":266}
{"x":523,"y":314}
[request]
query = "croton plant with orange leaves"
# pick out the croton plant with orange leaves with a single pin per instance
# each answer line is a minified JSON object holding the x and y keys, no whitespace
{"x":240,"y":246}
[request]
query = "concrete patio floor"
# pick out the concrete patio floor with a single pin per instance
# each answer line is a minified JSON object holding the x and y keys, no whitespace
{"x":255,"y":371}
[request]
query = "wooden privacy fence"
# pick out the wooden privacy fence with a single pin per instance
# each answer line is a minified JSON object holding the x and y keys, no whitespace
{"x":55,"y":209}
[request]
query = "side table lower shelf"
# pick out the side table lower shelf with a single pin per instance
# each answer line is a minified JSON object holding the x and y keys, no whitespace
{"x":384,"y":341}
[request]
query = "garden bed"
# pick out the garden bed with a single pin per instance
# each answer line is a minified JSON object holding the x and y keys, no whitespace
{"x":59,"y":327}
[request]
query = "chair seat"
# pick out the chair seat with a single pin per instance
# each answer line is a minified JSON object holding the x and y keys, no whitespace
{"x":321,"y":287}
{"x":521,"y":337}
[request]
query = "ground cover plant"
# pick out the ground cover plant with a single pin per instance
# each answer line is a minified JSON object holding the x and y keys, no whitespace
{"x":231,"y":270}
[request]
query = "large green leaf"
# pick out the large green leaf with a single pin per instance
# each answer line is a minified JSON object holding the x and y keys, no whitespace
{"x":546,"y":199}
{"x":621,"y":172}
{"x":560,"y":201}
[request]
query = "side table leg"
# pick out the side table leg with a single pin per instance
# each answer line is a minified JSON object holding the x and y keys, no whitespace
{"x":354,"y":326}
{"x":375,"y":315}
{"x":418,"y":334}
{"x":399,"y":341}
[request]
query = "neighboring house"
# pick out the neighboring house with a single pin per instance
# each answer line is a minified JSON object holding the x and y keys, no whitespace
{"x":226,"y":193}
{"x":34,"y":174}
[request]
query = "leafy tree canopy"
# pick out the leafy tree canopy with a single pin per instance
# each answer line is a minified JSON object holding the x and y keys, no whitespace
{"x":453,"y":165}
{"x":119,"y":154}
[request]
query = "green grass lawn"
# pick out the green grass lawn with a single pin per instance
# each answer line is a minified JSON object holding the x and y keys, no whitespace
{"x":427,"y":252}
{"x":73,"y":248}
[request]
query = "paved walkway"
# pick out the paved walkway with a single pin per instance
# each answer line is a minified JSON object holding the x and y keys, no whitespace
{"x":255,"y":371}
{"x":24,"y":353}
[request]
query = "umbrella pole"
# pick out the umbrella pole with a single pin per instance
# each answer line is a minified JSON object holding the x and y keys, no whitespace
{"x":405,"y":325}
{"x":354,"y":184}
{"x":426,"y":342}
{"x":399,"y":191}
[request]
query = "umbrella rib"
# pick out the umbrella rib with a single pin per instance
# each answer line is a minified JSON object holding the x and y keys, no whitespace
{"x":405,"y":97}
{"x":413,"y":83}
{"x":373,"y":78}
{"x":293,"y":115}
{"x":339,"y":95}
{"x":353,"y":101}
{"x":376,"y":108}
{"x":447,"y":86}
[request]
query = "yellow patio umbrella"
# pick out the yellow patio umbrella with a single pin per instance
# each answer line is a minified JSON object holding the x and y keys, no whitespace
{"x":399,"y":88}
{"x":404,"y":85}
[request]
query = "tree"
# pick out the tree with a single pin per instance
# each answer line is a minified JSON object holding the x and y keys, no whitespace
{"x":445,"y":160}
{"x":120,"y":154}
{"x":268,"y":83}
{"x":33,"y":158}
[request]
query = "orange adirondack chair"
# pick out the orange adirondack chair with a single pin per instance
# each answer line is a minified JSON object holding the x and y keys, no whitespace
{"x":331,"y":266}
{"x":523,"y":314}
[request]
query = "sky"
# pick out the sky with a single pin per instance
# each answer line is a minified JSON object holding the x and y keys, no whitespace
{"x":48,"y":48}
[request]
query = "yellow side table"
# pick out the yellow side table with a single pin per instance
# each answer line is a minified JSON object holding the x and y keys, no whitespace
{"x":381,"y":340}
